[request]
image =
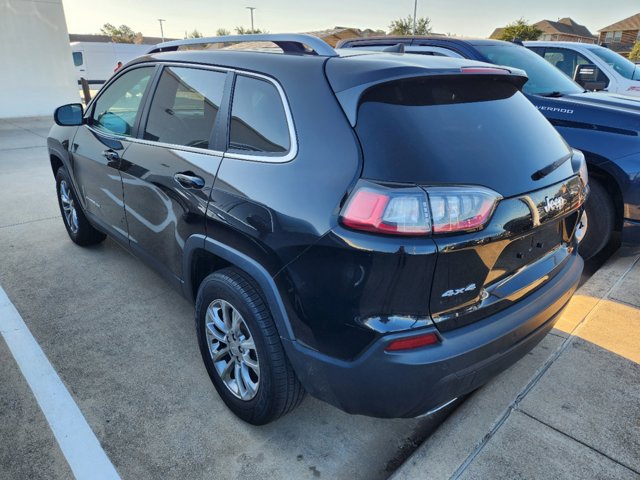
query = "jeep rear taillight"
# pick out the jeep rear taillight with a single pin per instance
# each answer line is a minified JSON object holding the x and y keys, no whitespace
{"x":456,"y":209}
{"x":393,"y":211}
{"x":416,"y":211}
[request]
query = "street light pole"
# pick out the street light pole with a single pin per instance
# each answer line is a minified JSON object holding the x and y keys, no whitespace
{"x":415,"y":10}
{"x":252,"y":9}
{"x":162,"y":31}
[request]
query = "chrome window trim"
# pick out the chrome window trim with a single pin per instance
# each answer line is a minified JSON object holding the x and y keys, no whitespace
{"x":293,"y":138}
{"x":151,"y":143}
{"x":172,"y":146}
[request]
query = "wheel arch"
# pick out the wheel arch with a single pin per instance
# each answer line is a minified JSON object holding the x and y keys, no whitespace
{"x":204,"y":255}
{"x":56,"y":163}
{"x":610,"y":184}
{"x":58,"y":154}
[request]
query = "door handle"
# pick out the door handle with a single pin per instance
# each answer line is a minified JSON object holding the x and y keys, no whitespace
{"x":189,"y":180}
{"x":111,"y":155}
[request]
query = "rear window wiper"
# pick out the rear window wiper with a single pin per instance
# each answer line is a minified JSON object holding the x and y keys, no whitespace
{"x":543,"y":172}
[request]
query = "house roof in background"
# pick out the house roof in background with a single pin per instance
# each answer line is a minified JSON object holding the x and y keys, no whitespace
{"x":629,"y":23}
{"x":566,"y":26}
{"x":497,"y":33}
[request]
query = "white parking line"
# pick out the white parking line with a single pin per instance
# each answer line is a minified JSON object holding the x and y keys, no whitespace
{"x":77,"y":441}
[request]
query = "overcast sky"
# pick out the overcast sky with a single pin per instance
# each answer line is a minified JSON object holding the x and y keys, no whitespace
{"x":475,"y":18}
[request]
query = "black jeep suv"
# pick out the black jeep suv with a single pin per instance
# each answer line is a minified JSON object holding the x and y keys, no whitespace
{"x":349,"y":225}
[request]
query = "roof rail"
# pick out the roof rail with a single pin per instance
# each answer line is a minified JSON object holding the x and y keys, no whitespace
{"x":288,"y":42}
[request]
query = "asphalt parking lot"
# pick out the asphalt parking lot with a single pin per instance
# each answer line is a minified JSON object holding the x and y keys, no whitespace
{"x":124,"y":346}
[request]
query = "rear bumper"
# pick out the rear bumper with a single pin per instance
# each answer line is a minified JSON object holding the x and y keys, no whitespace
{"x":410,"y":383}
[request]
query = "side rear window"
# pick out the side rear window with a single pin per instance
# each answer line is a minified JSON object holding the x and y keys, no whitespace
{"x":258,"y":119}
{"x":77,"y":58}
{"x":564,"y":60}
{"x":185,"y":106}
{"x":117,"y":106}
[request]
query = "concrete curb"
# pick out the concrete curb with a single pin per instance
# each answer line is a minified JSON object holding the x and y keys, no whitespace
{"x":454,"y":447}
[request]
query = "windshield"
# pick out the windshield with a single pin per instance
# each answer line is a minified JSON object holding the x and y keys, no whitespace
{"x":620,"y":64}
{"x":544,"y":78}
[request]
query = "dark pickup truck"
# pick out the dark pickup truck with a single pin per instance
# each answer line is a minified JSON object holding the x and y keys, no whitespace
{"x":606,"y":127}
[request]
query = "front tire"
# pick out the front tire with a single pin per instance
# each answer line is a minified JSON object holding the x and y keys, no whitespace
{"x":75,"y":221}
{"x":600,"y":216}
{"x":242,"y":351}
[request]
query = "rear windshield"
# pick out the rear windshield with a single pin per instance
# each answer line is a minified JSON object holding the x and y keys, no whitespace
{"x":453,"y":129}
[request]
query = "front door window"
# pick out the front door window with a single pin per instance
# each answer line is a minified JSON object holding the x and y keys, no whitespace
{"x":116,"y":109}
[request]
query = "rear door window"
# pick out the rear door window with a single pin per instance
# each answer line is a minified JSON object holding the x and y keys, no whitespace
{"x":185,"y":106}
{"x":258,"y":120}
{"x":116,"y":108}
{"x":564,"y":60}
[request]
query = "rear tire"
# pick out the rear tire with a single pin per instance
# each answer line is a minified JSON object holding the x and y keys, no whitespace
{"x":601,"y":221}
{"x":246,"y":362}
{"x":75,"y":221}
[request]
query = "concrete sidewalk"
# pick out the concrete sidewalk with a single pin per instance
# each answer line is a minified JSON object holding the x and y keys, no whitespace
{"x":569,"y":409}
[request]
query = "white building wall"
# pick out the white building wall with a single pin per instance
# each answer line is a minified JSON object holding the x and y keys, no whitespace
{"x":37,"y":72}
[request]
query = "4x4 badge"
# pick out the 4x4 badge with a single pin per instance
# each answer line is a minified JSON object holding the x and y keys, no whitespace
{"x":458,"y":291}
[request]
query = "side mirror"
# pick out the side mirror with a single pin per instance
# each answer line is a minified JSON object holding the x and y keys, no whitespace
{"x":69,"y":115}
{"x":590,"y":77}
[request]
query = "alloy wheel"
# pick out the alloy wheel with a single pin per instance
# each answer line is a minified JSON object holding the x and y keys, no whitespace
{"x":68,"y":207}
{"x":232,"y":349}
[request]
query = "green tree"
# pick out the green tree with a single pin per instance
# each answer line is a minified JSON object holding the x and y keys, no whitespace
{"x":634,"y":56}
{"x":194,"y":34}
{"x":222,"y":32}
{"x":121,"y":34}
{"x":248,"y":31}
{"x":520,"y":29}
{"x":404,"y":26}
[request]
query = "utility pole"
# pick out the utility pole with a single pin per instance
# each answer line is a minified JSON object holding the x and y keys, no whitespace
{"x":162,"y":31}
{"x":415,"y":10}
{"x":252,"y":9}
